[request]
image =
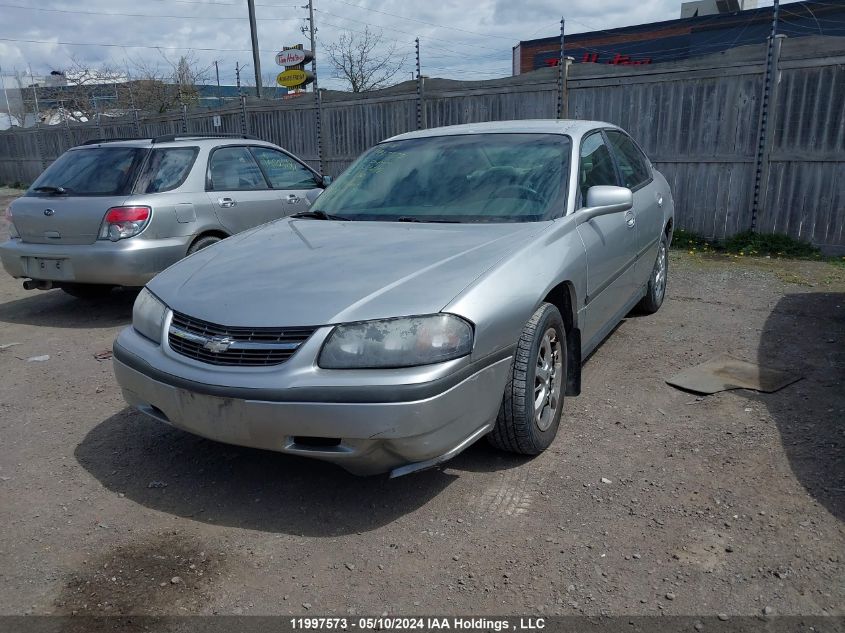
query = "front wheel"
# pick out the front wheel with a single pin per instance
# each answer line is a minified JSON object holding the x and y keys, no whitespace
{"x":656,"y":290}
{"x":530,"y":413}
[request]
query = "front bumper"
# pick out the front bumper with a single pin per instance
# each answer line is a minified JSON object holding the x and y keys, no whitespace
{"x":363,"y":436}
{"x":129,"y":262}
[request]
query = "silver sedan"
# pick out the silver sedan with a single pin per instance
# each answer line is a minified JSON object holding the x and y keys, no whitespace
{"x":446,"y":287}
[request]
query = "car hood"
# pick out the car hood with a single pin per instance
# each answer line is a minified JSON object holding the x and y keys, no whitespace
{"x":316,"y":272}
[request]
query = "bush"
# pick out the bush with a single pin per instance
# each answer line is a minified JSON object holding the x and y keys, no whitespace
{"x":747,"y":243}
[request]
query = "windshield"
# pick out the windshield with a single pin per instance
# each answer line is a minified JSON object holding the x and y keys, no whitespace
{"x":462,"y":178}
{"x":100,"y":171}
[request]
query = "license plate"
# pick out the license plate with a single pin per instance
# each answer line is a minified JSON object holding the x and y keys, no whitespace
{"x":41,"y":268}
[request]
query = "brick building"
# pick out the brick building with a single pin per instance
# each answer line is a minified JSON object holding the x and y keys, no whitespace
{"x":683,"y":38}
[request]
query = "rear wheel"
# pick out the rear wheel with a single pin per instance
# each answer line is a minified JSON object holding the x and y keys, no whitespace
{"x":87,"y":291}
{"x":203,"y":242}
{"x":531,"y":408}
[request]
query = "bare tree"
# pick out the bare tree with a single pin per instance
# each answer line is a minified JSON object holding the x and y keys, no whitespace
{"x":363,"y":62}
{"x":149,"y":86}
{"x":89,"y":90}
{"x":157,"y":89}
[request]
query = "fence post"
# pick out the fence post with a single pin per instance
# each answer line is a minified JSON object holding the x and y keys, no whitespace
{"x":768,"y":106}
{"x":184,"y":119}
{"x":419,"y":89}
{"x":244,"y":126}
{"x":767,"y":136}
{"x":39,"y":143}
{"x":561,"y":65}
{"x":137,"y":121}
{"x":68,"y":137}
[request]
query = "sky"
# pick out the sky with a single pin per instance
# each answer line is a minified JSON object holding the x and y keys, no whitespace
{"x":462,"y":39}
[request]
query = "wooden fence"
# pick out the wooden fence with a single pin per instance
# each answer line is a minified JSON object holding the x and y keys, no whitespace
{"x":699,"y":120}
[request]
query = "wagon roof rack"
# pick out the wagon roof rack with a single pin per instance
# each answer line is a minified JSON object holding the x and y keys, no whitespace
{"x":95,"y":141}
{"x":167,"y":138}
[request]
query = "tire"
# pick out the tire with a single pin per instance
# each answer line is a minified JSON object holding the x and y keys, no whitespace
{"x":203,"y":242}
{"x":519,"y":429}
{"x":87,"y":291}
{"x":656,"y":290}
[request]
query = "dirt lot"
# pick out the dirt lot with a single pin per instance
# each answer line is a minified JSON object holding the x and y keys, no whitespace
{"x":725,"y":504}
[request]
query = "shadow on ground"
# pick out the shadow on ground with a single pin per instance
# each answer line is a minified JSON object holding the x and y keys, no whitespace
{"x":806,"y":333}
{"x":55,"y":308}
{"x":259,"y":490}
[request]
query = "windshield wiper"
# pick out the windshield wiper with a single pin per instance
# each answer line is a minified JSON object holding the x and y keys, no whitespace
{"x":411,"y":218}
{"x":52,"y":189}
{"x":319,"y":215}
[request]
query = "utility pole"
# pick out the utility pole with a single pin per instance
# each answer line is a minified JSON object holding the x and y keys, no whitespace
{"x":34,"y":92}
{"x":217,"y":72}
{"x":238,"y":77}
{"x":317,"y":98}
{"x":256,"y":57}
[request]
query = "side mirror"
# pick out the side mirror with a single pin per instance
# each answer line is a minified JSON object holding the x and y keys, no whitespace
{"x":312,"y":194}
{"x":604,"y":200}
{"x":327,"y":180}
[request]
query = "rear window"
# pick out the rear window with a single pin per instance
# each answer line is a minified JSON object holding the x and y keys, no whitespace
{"x":96,"y":171}
{"x":167,"y":169}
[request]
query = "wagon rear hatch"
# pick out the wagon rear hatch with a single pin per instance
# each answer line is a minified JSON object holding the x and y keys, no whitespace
{"x":67,"y":203}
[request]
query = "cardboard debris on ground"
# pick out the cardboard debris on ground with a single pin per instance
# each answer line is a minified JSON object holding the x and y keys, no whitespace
{"x":725,"y":372}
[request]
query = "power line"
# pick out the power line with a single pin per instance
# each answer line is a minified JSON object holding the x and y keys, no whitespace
{"x":175,"y":48}
{"x":137,"y":15}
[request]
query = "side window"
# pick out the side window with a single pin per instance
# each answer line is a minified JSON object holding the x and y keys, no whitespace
{"x":596,"y":166}
{"x":167,"y":169}
{"x":282,"y":171}
{"x":632,"y":163}
{"x":234,"y":169}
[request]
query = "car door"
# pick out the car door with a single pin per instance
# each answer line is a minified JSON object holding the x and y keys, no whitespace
{"x":238,"y":190}
{"x":289,"y":178}
{"x":636,"y":174}
{"x":610,"y":242}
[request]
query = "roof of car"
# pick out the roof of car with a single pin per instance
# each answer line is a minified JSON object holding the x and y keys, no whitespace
{"x":177,"y":140}
{"x":526,"y":126}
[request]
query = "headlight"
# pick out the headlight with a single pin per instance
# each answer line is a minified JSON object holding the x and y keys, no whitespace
{"x":148,"y":315}
{"x":403,"y":342}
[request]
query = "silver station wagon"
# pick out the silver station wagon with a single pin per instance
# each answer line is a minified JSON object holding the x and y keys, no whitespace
{"x":446,"y":287}
{"x":115,"y":213}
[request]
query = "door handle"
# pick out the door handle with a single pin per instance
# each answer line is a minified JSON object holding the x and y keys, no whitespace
{"x":293,"y":198}
{"x":226,"y":203}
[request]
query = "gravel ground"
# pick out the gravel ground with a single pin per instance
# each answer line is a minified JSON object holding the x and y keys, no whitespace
{"x":651,"y":500}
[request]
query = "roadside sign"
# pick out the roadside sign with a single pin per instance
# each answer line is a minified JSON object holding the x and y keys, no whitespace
{"x":216,"y":119}
{"x":294,"y":78}
{"x":293,"y":57}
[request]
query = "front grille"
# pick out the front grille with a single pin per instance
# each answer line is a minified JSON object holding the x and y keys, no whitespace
{"x":247,"y":347}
